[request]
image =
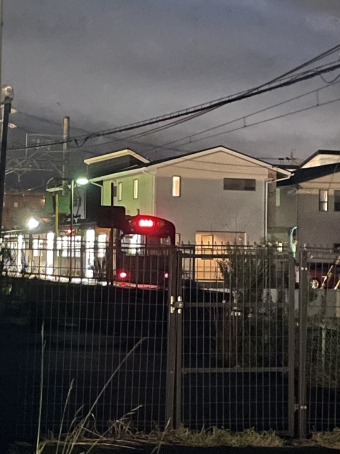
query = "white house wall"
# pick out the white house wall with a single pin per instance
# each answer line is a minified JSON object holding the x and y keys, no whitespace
{"x":203,"y":204}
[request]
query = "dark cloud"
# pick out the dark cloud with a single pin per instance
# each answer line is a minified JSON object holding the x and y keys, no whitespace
{"x":110,"y":63}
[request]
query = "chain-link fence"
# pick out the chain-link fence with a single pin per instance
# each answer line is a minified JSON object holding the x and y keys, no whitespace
{"x":226,"y":338}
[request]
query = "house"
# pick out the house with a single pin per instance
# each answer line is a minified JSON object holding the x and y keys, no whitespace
{"x":19,"y":206}
{"x":212,"y":196}
{"x":310,"y":201}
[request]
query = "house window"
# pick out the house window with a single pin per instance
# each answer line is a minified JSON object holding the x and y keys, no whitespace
{"x":120,"y":191}
{"x":135,"y":189}
{"x":336,"y":200}
{"x":323,"y":200}
{"x":16,"y":204}
{"x":239,"y":184}
{"x":176,"y":186}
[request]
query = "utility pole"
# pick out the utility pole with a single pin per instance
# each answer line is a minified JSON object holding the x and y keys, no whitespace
{"x":64,"y":170}
{"x":7,"y":110}
{"x":0,"y":42}
{"x":66,"y":135}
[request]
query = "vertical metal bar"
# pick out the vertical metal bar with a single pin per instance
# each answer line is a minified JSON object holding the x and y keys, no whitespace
{"x":171,"y":345}
{"x":291,"y":345}
{"x":303,"y":298}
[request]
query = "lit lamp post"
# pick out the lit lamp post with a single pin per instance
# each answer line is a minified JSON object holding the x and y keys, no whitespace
{"x":7,"y":94}
{"x":56,"y":186}
{"x":80,"y":181}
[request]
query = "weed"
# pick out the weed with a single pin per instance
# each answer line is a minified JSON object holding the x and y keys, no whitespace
{"x":75,"y":436}
{"x":221,"y":437}
{"x":329,"y":439}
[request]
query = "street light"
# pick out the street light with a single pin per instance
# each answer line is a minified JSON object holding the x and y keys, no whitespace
{"x":32,"y":223}
{"x":81,"y":181}
{"x":56,"y":185}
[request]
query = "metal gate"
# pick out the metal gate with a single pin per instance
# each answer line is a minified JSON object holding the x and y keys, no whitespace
{"x":231,"y":342}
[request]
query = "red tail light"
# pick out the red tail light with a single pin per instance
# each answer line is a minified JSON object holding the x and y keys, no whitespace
{"x":146,"y":222}
{"x":122,"y":275}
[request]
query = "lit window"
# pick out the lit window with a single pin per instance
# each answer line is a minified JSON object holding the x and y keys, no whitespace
{"x":176,"y":186}
{"x":336,"y":200}
{"x":120,"y":191}
{"x":278,"y":197}
{"x":239,"y":184}
{"x":323,"y":200}
{"x":135,"y":189}
{"x":101,"y":245}
{"x":16,"y":204}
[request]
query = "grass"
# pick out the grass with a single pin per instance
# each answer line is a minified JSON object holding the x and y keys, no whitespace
{"x":76,"y":435}
{"x":80,"y":438}
{"x":120,"y":435}
{"x":215,"y":437}
{"x":328,"y":439}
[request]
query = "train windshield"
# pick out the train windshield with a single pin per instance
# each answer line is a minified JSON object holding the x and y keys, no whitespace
{"x":137,"y":244}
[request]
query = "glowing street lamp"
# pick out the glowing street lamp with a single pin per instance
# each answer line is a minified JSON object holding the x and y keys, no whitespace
{"x":32,"y":223}
{"x":81,"y":181}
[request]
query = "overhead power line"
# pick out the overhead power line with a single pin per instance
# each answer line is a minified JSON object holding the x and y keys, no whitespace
{"x":279,"y":82}
{"x":244,"y":119}
{"x":266,"y":120}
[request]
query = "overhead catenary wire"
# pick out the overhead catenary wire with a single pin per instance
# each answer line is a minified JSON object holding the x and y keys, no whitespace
{"x":190,"y":136}
{"x":304,"y":109}
{"x":204,"y":108}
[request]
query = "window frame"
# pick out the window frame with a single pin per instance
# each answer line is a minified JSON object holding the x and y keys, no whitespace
{"x":336,"y":202}
{"x":323,"y":201}
{"x":234,"y":186}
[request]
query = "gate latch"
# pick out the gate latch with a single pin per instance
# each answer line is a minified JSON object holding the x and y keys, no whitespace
{"x":176,"y":304}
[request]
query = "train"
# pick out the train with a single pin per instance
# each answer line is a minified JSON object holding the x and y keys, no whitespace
{"x":132,"y":251}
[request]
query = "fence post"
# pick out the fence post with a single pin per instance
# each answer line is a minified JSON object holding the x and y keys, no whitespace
{"x":303,"y":300}
{"x":179,"y":337}
{"x":171,"y":344}
{"x":291,"y":346}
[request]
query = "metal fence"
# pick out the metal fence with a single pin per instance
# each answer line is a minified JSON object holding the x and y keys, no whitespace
{"x":226,"y":340}
{"x":319,"y":340}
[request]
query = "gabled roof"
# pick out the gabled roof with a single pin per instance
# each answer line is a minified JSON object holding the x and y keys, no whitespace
{"x":116,"y":154}
{"x":319,"y":156}
{"x":183,"y":157}
{"x":310,"y":173}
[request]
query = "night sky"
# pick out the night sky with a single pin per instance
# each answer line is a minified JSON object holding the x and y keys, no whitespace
{"x":108,"y":63}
